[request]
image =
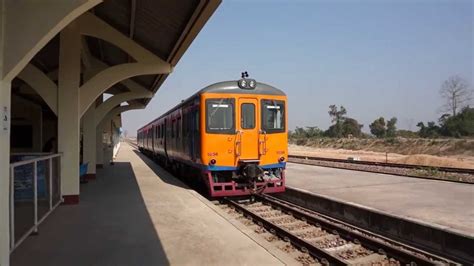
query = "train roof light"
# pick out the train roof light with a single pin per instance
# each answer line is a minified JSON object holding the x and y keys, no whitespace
{"x":246,"y":83}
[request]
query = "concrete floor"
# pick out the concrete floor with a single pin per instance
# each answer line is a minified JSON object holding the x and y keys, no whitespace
{"x":436,"y":202}
{"x":137,"y":214}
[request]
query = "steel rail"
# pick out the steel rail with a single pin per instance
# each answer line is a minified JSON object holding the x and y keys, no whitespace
{"x":369,"y":240}
{"x":322,"y":255}
{"x":393,"y":165}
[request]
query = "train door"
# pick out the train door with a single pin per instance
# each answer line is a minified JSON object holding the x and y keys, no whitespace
{"x":153,"y":136}
{"x":247,"y":129}
{"x":165,"y":141}
{"x":191,"y":130}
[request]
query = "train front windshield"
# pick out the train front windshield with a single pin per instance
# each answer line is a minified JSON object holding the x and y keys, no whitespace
{"x":273,"y":116}
{"x":220,"y":115}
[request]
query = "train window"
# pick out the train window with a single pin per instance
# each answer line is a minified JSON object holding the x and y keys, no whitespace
{"x":247,"y":116}
{"x":178,"y":127}
{"x":173,"y":128}
{"x":197,"y":126}
{"x":273,"y":116}
{"x":220,"y":116}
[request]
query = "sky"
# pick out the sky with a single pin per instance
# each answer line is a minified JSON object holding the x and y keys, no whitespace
{"x":376,"y":58}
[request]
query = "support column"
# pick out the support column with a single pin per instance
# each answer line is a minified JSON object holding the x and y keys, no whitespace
{"x":115,"y":135}
{"x":5,"y":106}
{"x":68,"y":111}
{"x":108,"y":147}
{"x":89,"y":141}
{"x":99,"y":148}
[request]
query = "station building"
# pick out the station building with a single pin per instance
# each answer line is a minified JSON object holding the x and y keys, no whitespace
{"x":68,"y":69}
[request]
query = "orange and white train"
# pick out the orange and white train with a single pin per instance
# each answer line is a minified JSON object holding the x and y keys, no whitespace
{"x":232,"y":136}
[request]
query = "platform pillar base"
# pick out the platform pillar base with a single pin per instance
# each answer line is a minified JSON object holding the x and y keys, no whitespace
{"x":70,"y":199}
{"x":90,"y":176}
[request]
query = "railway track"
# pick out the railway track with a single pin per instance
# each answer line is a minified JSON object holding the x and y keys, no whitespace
{"x":329,"y":241}
{"x":459,"y":175}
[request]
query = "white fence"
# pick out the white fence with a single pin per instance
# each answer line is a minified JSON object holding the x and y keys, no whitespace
{"x":35,"y":191}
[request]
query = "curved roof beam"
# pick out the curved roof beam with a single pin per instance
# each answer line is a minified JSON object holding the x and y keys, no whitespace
{"x":25,"y":37}
{"x":147,"y":63}
{"x":118,"y":110}
{"x":97,"y":66}
{"x":105,"y":107}
{"x":42,"y":84}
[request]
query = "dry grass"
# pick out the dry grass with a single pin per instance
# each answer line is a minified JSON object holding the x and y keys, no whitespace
{"x":443,"y":153}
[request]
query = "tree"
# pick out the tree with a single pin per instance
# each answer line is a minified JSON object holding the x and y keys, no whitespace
{"x":308,"y":133}
{"x":407,"y":133}
{"x":459,"y":125}
{"x":299,"y":133}
{"x":350,"y":126}
{"x":455,"y":91}
{"x":336,"y":115}
{"x":313,"y":132}
{"x":377,"y":128}
{"x":391,"y":127}
{"x":430,"y":131}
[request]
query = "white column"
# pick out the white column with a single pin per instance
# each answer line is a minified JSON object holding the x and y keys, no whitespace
{"x":89,"y":141}
{"x":108,"y":147}
{"x":116,"y":135}
{"x":99,"y":147}
{"x":5,"y":106}
{"x":68,"y":111}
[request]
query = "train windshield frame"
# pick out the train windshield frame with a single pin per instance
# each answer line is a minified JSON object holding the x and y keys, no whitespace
{"x":220,"y":115}
{"x":273,"y":116}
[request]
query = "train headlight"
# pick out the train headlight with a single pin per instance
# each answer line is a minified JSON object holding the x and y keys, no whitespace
{"x":252,"y":83}
{"x":282,"y":159}
{"x":212,"y":162}
{"x":243,"y":83}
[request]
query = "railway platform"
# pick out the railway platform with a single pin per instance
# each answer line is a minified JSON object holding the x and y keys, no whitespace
{"x":135,"y":213}
{"x":441,"y":204}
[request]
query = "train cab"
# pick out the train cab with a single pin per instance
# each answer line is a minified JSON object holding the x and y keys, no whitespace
{"x":232,"y":135}
{"x":244,"y":140}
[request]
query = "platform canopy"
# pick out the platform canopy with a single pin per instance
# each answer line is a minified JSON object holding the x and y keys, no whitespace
{"x":165,"y":28}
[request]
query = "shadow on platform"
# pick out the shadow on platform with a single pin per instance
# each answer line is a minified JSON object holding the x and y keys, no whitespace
{"x":160,"y":172}
{"x":110,"y":226}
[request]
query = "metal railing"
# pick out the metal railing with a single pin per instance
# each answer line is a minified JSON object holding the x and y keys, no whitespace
{"x":35,"y":191}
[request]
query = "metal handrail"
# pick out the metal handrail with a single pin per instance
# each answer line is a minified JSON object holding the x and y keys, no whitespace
{"x":41,"y":158}
{"x":13,"y":242}
{"x":31,"y":153}
{"x":238,"y":142}
{"x":263,"y":143}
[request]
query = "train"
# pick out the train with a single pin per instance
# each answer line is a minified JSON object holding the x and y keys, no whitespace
{"x":230,"y":136}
